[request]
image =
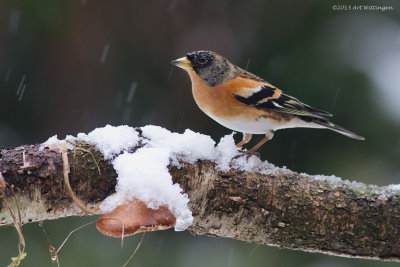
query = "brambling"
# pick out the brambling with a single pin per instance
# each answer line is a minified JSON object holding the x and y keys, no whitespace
{"x":243,"y":102}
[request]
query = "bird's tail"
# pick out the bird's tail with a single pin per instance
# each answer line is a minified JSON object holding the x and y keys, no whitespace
{"x":334,"y":127}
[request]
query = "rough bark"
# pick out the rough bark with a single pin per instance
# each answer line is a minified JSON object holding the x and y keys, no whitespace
{"x":285,"y":209}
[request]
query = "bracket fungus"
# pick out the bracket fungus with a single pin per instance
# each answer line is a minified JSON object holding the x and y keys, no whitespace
{"x":134,"y":217}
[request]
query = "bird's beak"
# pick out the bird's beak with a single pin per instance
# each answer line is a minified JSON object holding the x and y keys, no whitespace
{"x":183,"y":63}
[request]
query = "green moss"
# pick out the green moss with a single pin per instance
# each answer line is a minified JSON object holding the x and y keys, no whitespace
{"x":329,"y":207}
{"x":302,"y":200}
{"x":177,"y":172}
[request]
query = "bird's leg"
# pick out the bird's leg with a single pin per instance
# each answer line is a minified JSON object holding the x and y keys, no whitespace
{"x":267,"y":137}
{"x":246,"y":139}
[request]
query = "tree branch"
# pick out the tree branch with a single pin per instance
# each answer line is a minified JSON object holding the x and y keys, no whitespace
{"x":284,"y":209}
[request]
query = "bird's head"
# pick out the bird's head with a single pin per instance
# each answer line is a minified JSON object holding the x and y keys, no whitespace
{"x":212,"y":68}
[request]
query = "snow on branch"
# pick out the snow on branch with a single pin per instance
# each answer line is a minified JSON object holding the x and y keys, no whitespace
{"x":209,"y":188}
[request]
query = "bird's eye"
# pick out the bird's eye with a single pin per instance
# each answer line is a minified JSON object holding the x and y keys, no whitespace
{"x":202,"y":61}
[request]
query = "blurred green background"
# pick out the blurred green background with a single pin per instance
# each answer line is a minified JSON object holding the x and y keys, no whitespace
{"x":71,"y":66}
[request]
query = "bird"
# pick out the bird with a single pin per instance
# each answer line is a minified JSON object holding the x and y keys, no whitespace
{"x":244,"y":102}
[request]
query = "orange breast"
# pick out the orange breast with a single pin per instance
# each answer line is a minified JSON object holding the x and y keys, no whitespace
{"x":218,"y":101}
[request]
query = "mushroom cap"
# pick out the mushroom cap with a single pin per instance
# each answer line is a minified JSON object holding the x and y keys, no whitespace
{"x":134,"y":217}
